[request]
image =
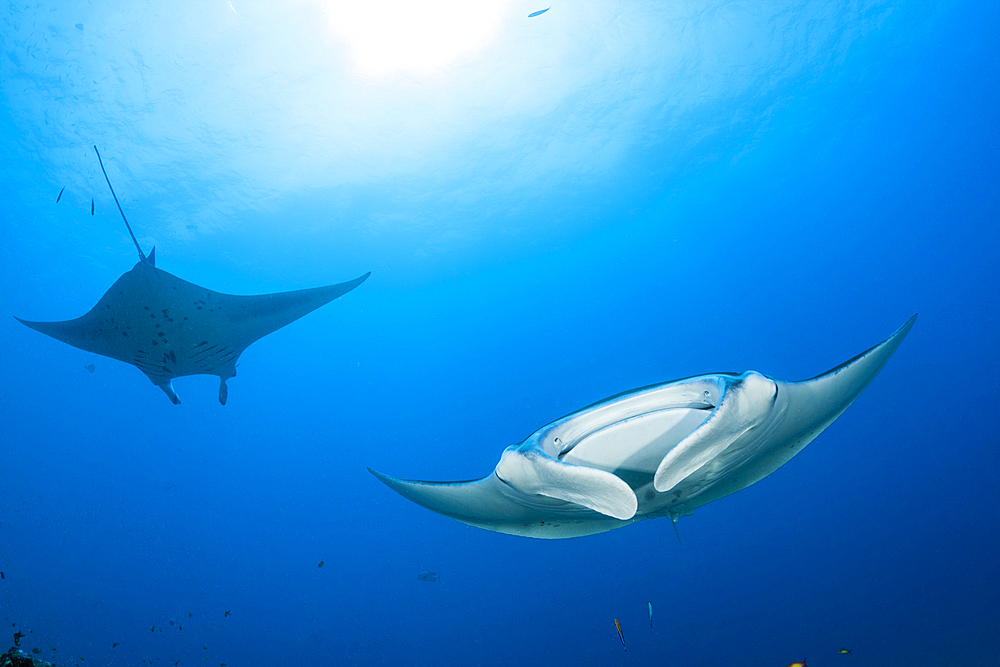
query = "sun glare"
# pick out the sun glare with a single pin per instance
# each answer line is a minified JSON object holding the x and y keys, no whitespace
{"x":386,"y":37}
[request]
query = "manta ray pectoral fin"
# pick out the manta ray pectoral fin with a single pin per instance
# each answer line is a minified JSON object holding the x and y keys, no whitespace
{"x":814,"y":404}
{"x":475,"y":502}
{"x":746,"y":401}
{"x":492,"y":504}
{"x":254,"y":317}
{"x":65,"y":331}
{"x":528,"y":470}
{"x":151,"y":257}
{"x":168,"y":389}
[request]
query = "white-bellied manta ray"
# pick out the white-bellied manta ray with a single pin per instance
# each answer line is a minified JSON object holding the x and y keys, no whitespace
{"x":167,"y":327}
{"x":663,"y":450}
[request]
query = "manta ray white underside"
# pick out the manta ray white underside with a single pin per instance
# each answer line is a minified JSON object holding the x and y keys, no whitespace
{"x":663,"y":450}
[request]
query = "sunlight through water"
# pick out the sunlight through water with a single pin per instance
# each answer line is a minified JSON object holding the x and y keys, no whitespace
{"x":392,"y":37}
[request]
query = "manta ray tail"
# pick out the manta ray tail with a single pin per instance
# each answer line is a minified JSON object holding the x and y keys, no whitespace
{"x":127,"y":226}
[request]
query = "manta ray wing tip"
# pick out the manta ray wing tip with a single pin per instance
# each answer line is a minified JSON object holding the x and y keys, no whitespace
{"x":380,"y":476}
{"x":901,"y":332}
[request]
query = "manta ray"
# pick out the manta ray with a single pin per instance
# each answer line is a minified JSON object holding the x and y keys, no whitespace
{"x":167,"y":327}
{"x":662,"y":450}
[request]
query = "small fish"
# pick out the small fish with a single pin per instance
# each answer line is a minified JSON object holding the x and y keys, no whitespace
{"x":320,"y":564}
{"x":171,"y":622}
{"x":843,"y":650}
{"x":620,"y":635}
{"x":115,"y":645}
{"x":36,"y":651}
{"x":17,"y":638}
{"x":429,"y":576}
{"x":153,"y":629}
{"x":60,"y":195}
{"x":189,"y":614}
{"x":92,"y":207}
{"x":650,"y":606}
{"x":1,"y":576}
{"x":90,"y":368}
{"x":538,"y":13}
{"x":799,"y":664}
{"x":228,"y":612}
{"x":79,"y":26}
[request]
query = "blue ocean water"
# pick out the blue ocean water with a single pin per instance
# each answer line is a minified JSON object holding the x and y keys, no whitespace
{"x":554,"y":209}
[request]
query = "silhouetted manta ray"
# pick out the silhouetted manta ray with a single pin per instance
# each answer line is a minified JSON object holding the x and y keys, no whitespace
{"x":663,"y":450}
{"x":167,"y":327}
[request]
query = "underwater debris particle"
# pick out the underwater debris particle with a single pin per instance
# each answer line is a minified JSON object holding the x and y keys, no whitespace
{"x":538,"y":13}
{"x":79,"y":26}
{"x":429,"y":576}
{"x":60,"y":195}
{"x":90,"y":368}
{"x":92,"y":207}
